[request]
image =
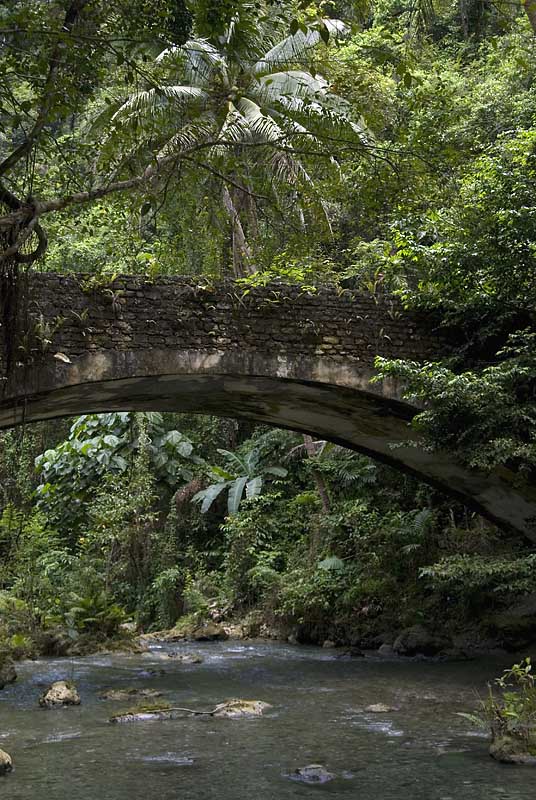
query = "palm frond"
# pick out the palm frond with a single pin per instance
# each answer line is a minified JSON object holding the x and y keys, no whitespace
{"x":262,"y":125}
{"x":200,"y":60}
{"x":189,"y":135}
{"x":293,"y":83}
{"x":293,"y":48}
{"x":150,"y":101}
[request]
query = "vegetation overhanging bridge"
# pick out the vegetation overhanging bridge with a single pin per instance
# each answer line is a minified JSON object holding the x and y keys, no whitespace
{"x":277,"y":355}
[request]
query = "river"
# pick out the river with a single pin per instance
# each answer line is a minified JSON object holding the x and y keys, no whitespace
{"x":422,"y":751}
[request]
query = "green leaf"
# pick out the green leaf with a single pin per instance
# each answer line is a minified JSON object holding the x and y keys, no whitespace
{"x":254,"y":486}
{"x":207,"y":496}
{"x":281,"y":472}
{"x":331,"y":563}
{"x":324,"y":33}
{"x":235,"y":494}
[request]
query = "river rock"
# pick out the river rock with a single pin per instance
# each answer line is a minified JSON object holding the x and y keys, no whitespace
{"x":129,"y":693}
{"x":238,"y":709}
{"x":159,"y":655}
{"x":141,"y":716}
{"x":312,"y":773}
{"x":329,"y":644}
{"x":7,"y":671}
{"x":510,"y":749}
{"x":186,"y":658}
{"x":209,"y":632}
{"x":54,"y":642}
{"x":6,"y":763}
{"x":417,"y":641}
{"x":128,"y":627}
{"x":380,"y":708}
{"x":60,"y":693}
{"x":386,"y":650}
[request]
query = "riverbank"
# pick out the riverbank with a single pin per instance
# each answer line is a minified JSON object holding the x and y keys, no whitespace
{"x":415,"y":641}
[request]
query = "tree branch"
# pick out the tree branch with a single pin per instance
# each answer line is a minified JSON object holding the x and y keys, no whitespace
{"x":71,"y":18}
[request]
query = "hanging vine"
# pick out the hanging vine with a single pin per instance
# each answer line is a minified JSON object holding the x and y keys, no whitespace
{"x":21,"y":245}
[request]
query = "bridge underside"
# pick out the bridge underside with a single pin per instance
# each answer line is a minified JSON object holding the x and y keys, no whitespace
{"x":369,"y":420}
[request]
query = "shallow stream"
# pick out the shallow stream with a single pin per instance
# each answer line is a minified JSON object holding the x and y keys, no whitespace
{"x":422,"y":751}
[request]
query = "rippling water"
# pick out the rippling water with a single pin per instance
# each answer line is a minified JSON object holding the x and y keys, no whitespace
{"x":423,"y":751}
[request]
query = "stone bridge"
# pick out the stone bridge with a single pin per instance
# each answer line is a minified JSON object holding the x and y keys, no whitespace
{"x":276,"y":355}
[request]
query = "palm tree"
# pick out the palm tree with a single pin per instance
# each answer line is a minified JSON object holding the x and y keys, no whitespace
{"x":255,"y":110}
{"x":247,"y":476}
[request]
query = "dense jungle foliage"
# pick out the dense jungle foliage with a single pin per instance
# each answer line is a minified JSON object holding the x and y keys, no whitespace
{"x":386,"y":146}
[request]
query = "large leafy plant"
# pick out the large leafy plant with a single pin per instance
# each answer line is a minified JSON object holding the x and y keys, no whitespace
{"x":107,"y":444}
{"x":487,"y":418}
{"x":244,"y":474}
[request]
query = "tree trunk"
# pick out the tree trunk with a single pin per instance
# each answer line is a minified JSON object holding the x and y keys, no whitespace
{"x":317,"y":476}
{"x":241,"y":249}
{"x":530,"y":9}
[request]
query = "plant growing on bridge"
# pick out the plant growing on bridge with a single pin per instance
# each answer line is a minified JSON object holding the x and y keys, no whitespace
{"x":247,"y":476}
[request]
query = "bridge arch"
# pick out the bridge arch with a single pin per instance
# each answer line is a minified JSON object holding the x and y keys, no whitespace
{"x":280,"y":356}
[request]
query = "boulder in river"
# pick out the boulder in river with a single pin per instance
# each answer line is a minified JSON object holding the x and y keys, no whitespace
{"x":6,"y":763}
{"x":60,"y":693}
{"x":129,"y":693}
{"x":417,"y":641}
{"x":186,"y":658}
{"x":238,"y":709}
{"x":509,"y":749}
{"x":209,"y":632}
{"x":386,"y":650}
{"x":7,"y":671}
{"x":312,"y":773}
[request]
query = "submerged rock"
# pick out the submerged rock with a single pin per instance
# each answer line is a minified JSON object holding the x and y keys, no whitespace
{"x":6,"y":762}
{"x":60,"y":693}
{"x":312,"y":773}
{"x":186,"y":658}
{"x":151,"y":673}
{"x":380,"y":708}
{"x":351,"y":652}
{"x":142,"y":716}
{"x":7,"y":671}
{"x":129,"y":693}
{"x":237,"y":709}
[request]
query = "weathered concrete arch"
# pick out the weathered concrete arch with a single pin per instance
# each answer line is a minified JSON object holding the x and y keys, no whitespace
{"x":276,"y":355}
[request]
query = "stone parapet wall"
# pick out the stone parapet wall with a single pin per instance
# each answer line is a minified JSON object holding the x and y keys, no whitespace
{"x":73,"y":316}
